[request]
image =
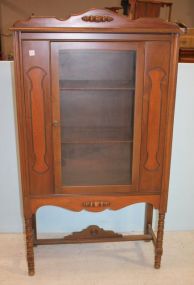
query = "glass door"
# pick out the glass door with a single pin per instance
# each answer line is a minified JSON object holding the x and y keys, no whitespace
{"x":96,"y":110}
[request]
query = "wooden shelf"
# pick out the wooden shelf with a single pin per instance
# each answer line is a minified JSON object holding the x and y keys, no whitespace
{"x":95,"y":142}
{"x":96,"y":164}
{"x":95,"y":85}
{"x":96,"y":135}
{"x":93,"y":88}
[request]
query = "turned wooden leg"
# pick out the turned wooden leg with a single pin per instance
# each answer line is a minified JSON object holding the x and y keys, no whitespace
{"x":148,"y":217}
{"x":159,"y":241}
{"x":34,"y":229}
{"x":29,"y":246}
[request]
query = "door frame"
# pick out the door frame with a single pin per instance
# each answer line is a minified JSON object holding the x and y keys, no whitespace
{"x":140,"y":56}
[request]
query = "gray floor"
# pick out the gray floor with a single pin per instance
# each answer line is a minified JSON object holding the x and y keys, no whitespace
{"x":99,"y":264}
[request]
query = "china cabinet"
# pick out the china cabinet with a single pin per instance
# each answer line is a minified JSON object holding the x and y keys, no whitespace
{"x":95,"y":102}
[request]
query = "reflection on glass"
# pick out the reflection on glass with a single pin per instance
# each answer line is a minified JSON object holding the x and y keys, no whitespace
{"x":97,"y":109}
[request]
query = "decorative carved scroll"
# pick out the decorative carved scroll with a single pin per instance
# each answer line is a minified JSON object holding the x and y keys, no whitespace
{"x":156,"y":76}
{"x":92,"y":232}
{"x":97,"y":19}
{"x":76,"y":203}
{"x":36,"y":76}
{"x":113,"y":20}
{"x":96,"y":204}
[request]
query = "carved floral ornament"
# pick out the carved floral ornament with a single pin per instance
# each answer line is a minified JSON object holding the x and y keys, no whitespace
{"x":96,"y":204}
{"x":93,"y":231}
{"x":97,"y":19}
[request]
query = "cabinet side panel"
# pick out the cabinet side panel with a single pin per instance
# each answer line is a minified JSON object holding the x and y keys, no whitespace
{"x":38,"y":115}
{"x":157,"y":56}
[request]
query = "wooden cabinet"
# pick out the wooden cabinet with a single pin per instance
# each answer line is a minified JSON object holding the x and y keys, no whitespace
{"x":95,"y":103}
{"x":149,"y":8}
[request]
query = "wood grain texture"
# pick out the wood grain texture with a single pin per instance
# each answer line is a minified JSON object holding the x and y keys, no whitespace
{"x":148,"y":8}
{"x":34,"y":229}
{"x":156,"y":76}
{"x":21,"y":122}
{"x":38,"y":115}
{"x":36,"y":76}
{"x":169,"y":121}
{"x":122,"y":23}
{"x":29,"y":246}
{"x":186,"y":55}
{"x":78,"y":203}
{"x":92,"y":232}
{"x":95,"y":239}
{"x":104,"y":37}
{"x":38,"y":107}
{"x":159,"y":241}
{"x":154,"y":115}
{"x":148,"y":218}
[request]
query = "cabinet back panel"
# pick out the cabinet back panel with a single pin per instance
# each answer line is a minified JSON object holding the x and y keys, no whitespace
{"x":97,"y":115}
{"x":96,"y":164}
{"x":98,"y":65}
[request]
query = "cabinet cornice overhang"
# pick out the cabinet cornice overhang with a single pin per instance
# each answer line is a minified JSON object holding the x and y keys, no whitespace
{"x":95,"y":21}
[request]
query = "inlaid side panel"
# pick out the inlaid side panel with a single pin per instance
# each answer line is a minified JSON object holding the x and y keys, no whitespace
{"x":154,"y":115}
{"x":38,"y":115}
{"x":36,"y":76}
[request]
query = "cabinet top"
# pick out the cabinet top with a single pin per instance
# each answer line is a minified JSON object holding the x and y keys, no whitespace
{"x":97,"y":21}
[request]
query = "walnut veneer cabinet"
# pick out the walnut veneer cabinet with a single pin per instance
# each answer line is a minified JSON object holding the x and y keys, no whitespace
{"x":95,"y":104}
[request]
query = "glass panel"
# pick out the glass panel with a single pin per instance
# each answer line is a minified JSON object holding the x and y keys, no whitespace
{"x":96,"y":163}
{"x":96,"y":115}
{"x":96,"y":111}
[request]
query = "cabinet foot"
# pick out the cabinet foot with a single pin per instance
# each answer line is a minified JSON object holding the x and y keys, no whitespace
{"x":159,"y":241}
{"x":29,"y":246}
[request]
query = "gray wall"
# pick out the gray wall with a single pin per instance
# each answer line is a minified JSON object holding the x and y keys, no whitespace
{"x":11,"y":11}
{"x":51,"y":219}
